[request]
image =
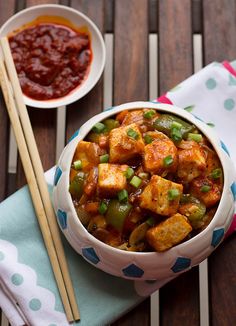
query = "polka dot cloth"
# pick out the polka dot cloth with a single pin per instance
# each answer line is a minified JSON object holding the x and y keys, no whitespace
{"x":1,"y":255}
{"x":229,"y":104}
{"x":211,"y":95}
{"x":35,"y":304}
{"x":17,"y":279}
{"x":35,"y":300}
{"x":211,"y":83}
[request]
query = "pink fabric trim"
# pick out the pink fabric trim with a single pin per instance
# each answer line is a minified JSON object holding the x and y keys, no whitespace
{"x":164,"y":99}
{"x":232,"y":227}
{"x":229,"y":67}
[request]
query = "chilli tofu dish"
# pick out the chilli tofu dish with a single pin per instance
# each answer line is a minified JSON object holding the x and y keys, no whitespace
{"x":145,"y":181}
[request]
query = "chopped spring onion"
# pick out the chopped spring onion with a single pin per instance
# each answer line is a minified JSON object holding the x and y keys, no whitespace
{"x":148,"y":139}
{"x":195,"y":137}
{"x":176,"y":134}
{"x":143,"y":175}
{"x":216,"y":173}
{"x":98,"y":127}
{"x":132,"y":133}
{"x":77,"y":165}
{"x":123,"y":195}
{"x":104,"y":158}
{"x":111,"y":124}
{"x":176,"y":124}
{"x":129,"y":173}
{"x":205,"y":188}
{"x":173,"y":194}
{"x":135,"y":181}
{"x":149,"y":114}
{"x":102,"y":207}
{"x":168,"y":160}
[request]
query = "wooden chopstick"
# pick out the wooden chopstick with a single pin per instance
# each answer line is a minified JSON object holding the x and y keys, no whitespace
{"x":36,"y":173}
{"x":38,"y":168}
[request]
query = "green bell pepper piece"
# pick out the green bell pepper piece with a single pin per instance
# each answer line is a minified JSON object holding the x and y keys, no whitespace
{"x":117,"y":213}
{"x":193,"y":214}
{"x":77,"y":185}
{"x":166,"y":122}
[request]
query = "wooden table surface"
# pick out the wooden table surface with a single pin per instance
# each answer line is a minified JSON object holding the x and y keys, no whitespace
{"x":152,"y":45}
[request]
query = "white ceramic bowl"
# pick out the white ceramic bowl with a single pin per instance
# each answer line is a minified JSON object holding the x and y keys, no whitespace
{"x":77,"y":19}
{"x":137,"y":265}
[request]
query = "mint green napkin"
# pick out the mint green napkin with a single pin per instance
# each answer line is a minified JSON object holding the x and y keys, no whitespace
{"x":28,"y":293}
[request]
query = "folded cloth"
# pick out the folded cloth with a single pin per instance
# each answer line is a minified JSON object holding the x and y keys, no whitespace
{"x":210,"y":95}
{"x":28,"y":293}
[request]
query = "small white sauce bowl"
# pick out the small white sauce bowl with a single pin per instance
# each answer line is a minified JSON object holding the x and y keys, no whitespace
{"x":77,"y":19}
{"x":159,"y":266}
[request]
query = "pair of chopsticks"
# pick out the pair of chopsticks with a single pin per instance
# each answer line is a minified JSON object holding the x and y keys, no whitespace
{"x":34,"y":173}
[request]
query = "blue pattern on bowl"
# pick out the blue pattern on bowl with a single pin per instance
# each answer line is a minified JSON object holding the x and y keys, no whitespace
{"x":181,"y":264}
{"x":223,"y":146}
{"x":217,"y":236}
{"x":233,"y":189}
{"x":133,"y":271}
{"x":62,"y":218}
{"x":90,"y":254}
{"x":57,"y":175}
{"x":75,"y":134}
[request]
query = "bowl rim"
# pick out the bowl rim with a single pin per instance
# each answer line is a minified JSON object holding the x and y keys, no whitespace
{"x":65,"y":100}
{"x":168,"y":108}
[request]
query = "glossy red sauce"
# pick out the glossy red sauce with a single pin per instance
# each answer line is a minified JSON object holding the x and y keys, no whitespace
{"x":51,"y":59}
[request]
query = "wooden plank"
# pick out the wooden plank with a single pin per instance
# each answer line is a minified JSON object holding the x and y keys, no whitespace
{"x":43,"y":123}
{"x":197,"y":16}
{"x":219,"y":30}
{"x":222,"y":281}
{"x":175,"y":43}
{"x":6,"y":11}
{"x":220,"y":44}
{"x":109,"y":16}
{"x":180,"y":297}
{"x":4,"y":321}
{"x":88,"y":106}
{"x":140,"y":316}
{"x":130,"y":84}
{"x":130,"y":51}
{"x":153,"y":25}
{"x":179,"y":300}
{"x":153,"y":17}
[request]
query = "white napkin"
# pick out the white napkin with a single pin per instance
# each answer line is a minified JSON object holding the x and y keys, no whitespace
{"x":210,"y":95}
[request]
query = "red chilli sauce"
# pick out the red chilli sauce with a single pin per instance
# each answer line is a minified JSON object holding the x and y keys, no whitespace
{"x":51,"y":59}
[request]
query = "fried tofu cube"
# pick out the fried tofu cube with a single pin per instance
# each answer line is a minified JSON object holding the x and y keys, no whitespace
{"x":88,"y":153}
{"x":111,"y":179}
{"x":212,"y":160}
{"x":192,"y":161}
{"x":157,"y":153}
{"x":123,"y":146}
{"x":206,"y":190}
{"x":169,"y":232}
{"x":133,"y":116}
{"x":156,"y":196}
